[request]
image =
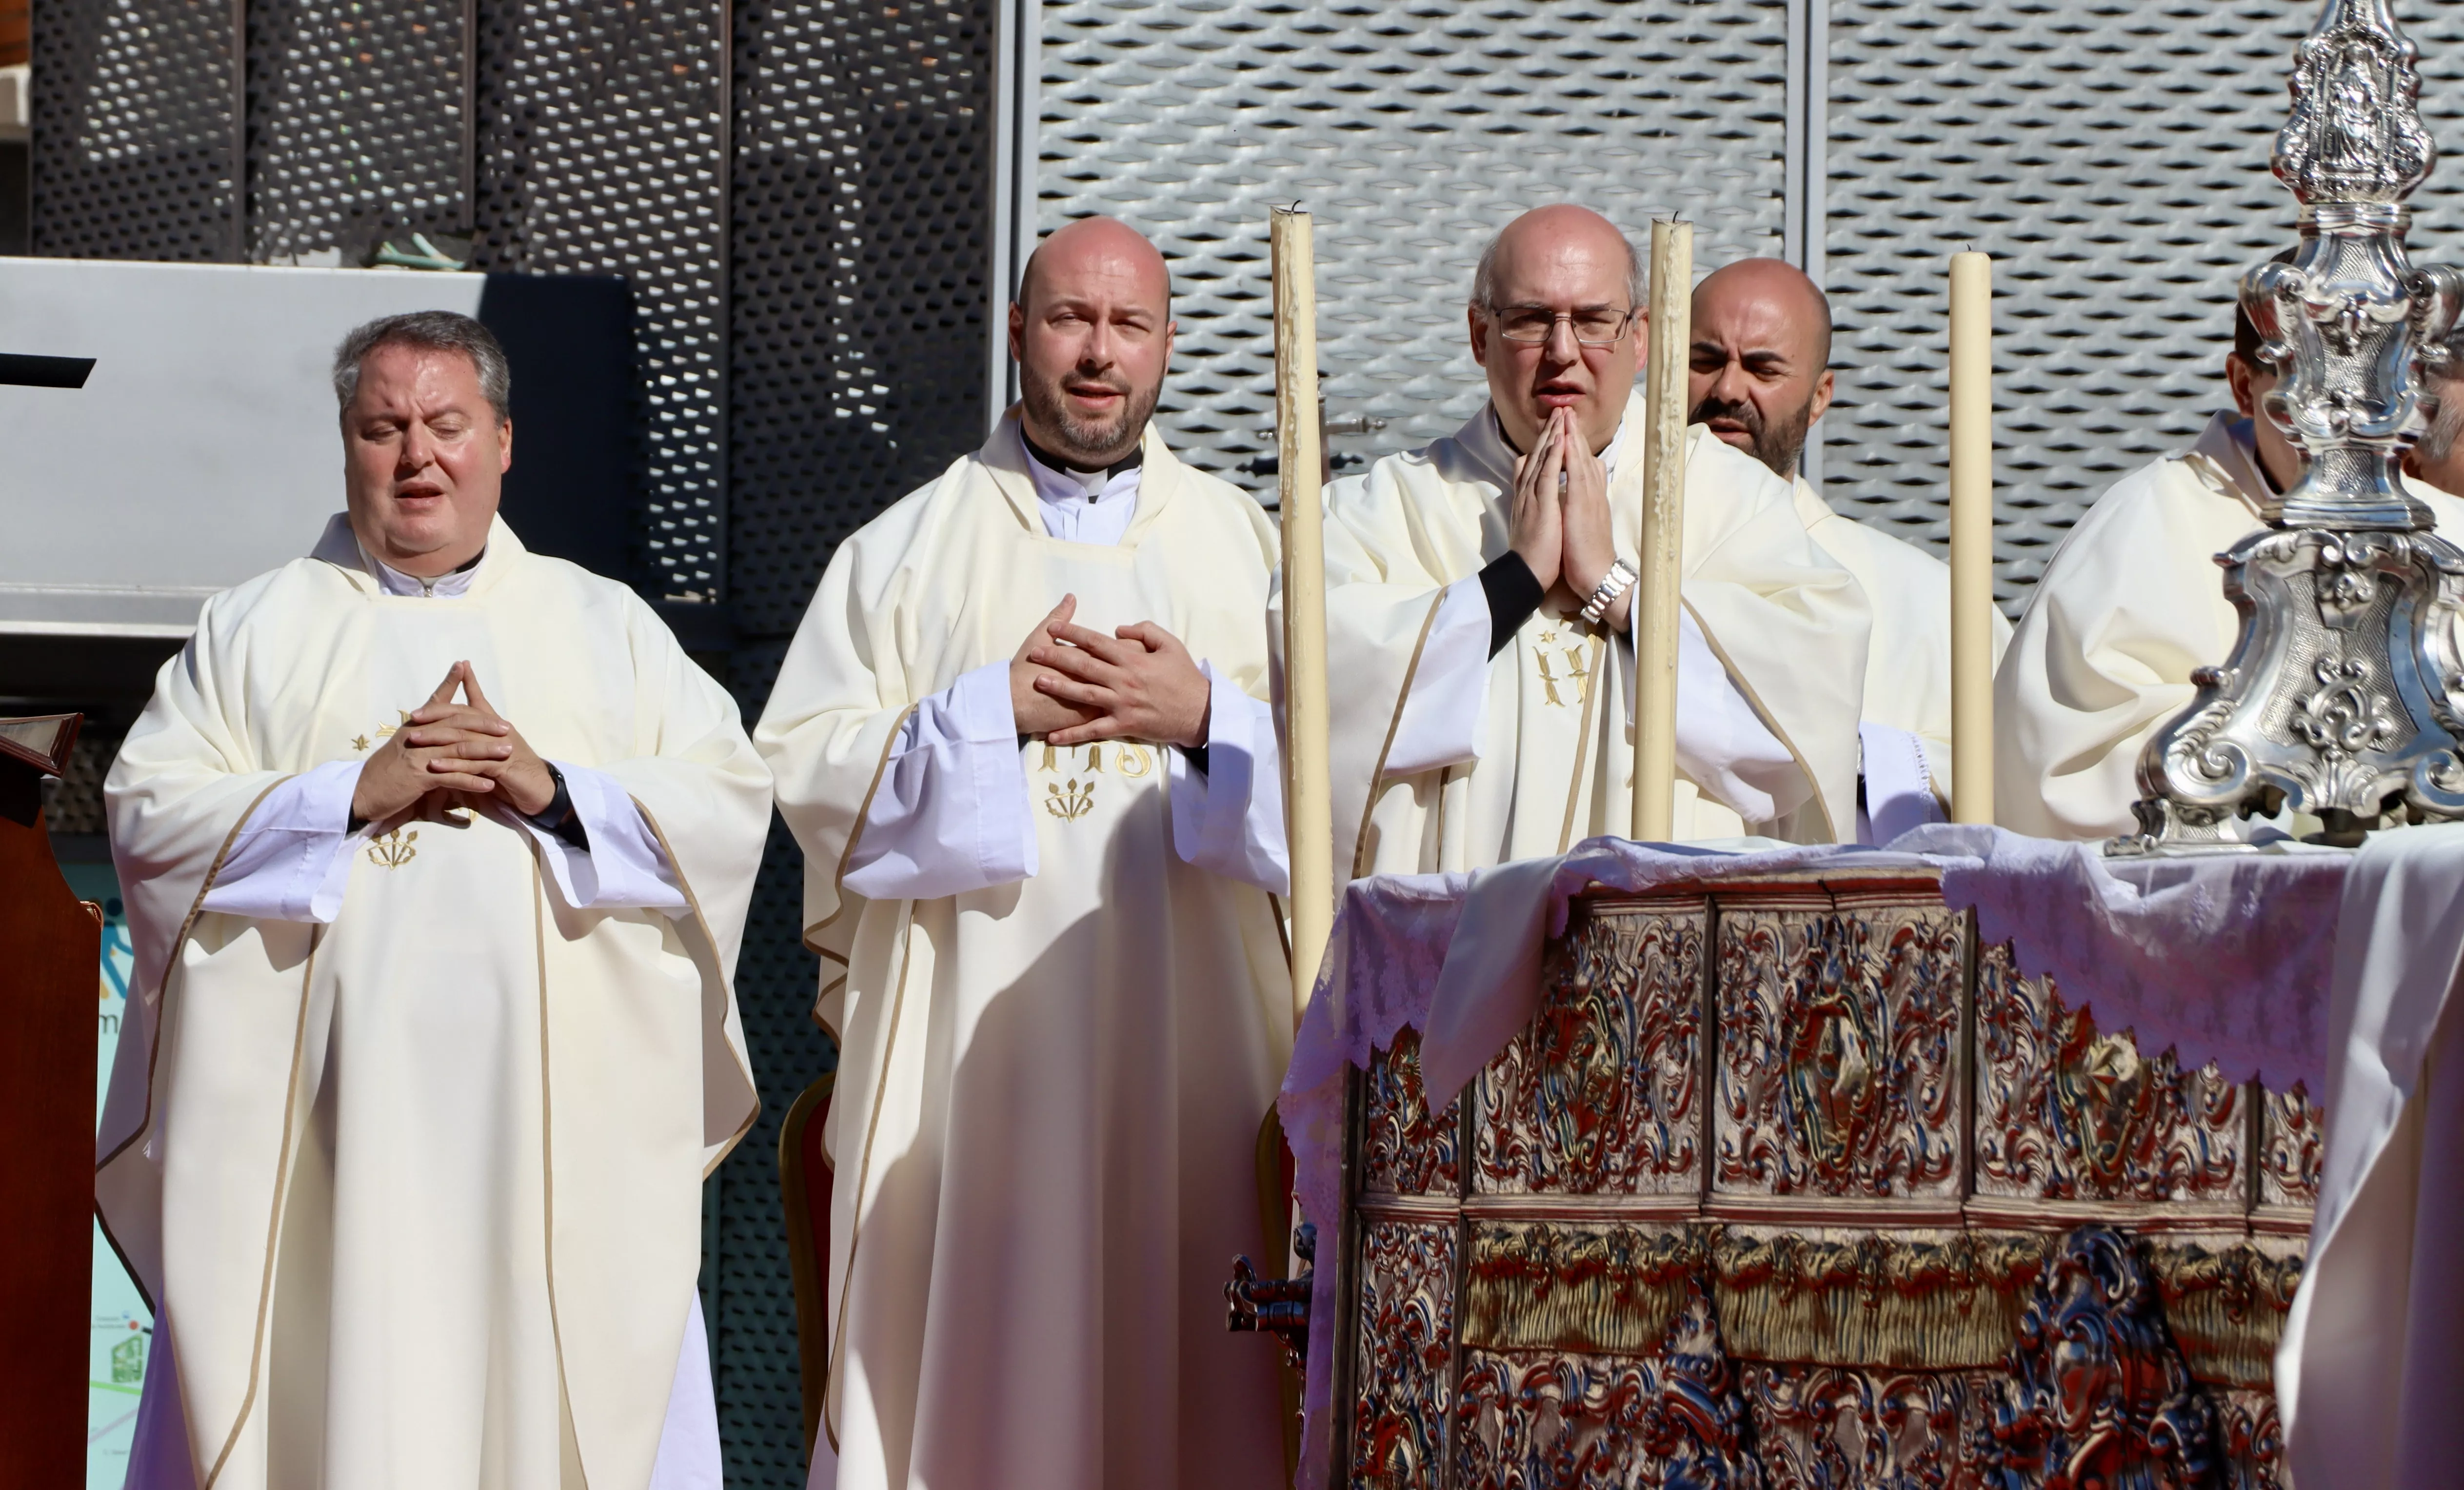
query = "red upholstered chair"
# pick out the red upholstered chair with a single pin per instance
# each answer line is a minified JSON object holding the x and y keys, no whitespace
{"x":804,"y":1179}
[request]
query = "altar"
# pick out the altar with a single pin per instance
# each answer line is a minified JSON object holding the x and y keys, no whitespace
{"x":1814,"y":1167}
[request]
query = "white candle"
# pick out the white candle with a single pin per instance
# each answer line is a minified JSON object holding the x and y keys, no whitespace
{"x":1663,"y":527}
{"x":1308,"y":802}
{"x":1972,"y":538}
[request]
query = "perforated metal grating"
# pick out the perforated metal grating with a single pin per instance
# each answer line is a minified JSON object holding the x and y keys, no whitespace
{"x":1411,"y":133}
{"x":862,"y":188}
{"x":356,"y":123}
{"x":601,"y":137}
{"x":2113,"y":158}
{"x":134,"y":151}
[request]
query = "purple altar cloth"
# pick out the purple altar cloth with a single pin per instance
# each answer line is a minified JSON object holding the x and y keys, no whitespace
{"x":2148,"y":944}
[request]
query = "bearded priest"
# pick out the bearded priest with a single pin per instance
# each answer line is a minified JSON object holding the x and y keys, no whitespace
{"x":1480,"y":594}
{"x":1760,"y":378}
{"x":1023,"y":740}
{"x":2130,"y":605}
{"x":432,"y":1039}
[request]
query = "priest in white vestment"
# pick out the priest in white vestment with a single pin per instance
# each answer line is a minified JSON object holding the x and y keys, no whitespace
{"x":1479,"y":603}
{"x":436,"y":855}
{"x":1022,"y":738}
{"x":1760,"y":380}
{"x":2130,"y":605}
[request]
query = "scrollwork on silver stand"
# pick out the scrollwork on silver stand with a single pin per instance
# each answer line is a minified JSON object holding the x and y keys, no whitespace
{"x":2340,"y":699}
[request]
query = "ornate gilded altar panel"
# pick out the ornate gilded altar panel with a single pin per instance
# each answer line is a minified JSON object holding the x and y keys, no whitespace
{"x":1601,"y":1287}
{"x":1590,"y":1421}
{"x":1823,"y":1426}
{"x":1601,"y":1094}
{"x":1403,"y":1367}
{"x":2291,"y":1145}
{"x":1405,"y":1150}
{"x":1839,"y":1046}
{"x":1933,"y":1301}
{"x":2250,"y":1439}
{"x":2065,"y":1113}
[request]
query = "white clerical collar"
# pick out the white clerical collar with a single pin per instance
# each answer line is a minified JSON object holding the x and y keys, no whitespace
{"x":1084,"y":506}
{"x":2230,"y":445}
{"x":340,"y":545}
{"x":1504,"y":449}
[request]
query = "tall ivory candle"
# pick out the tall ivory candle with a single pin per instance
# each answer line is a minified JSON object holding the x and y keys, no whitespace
{"x":1308,"y":802}
{"x":1972,"y":538}
{"x":1664,"y":521}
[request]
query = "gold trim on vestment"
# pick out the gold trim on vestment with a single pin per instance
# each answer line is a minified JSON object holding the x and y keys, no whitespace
{"x":692,"y":902}
{"x":548,"y":1156}
{"x":1394,"y":723}
{"x":862,"y":1173}
{"x":838,"y":876}
{"x":154,"y":1047}
{"x":1583,"y":744}
{"x":283,"y":1161}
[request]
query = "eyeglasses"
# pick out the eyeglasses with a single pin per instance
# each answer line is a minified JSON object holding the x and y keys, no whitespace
{"x":1530,"y":326}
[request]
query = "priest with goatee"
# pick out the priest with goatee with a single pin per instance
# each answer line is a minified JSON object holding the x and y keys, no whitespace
{"x":1022,"y":737}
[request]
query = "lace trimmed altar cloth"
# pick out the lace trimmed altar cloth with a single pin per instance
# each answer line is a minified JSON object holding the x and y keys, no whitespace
{"x":2145,"y":944}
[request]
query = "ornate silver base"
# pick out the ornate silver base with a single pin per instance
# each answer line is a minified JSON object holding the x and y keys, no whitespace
{"x":2340,"y":698}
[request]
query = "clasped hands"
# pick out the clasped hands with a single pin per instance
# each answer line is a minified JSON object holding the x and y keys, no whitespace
{"x":1560,"y":520}
{"x":450,"y":755}
{"x":1073,"y":686}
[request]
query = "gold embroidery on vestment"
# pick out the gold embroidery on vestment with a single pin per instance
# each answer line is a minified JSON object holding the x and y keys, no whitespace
{"x":394,"y":850}
{"x":1071,"y":802}
{"x":1134,"y":761}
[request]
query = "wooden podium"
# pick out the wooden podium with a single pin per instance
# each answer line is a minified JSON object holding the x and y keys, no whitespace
{"x":51,"y":946}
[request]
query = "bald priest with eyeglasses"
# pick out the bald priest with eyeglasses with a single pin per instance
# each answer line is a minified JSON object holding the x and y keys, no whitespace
{"x":1479,"y":598}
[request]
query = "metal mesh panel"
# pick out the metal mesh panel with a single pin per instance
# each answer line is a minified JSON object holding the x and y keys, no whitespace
{"x":134,"y":147}
{"x":1412,"y":133}
{"x":355,"y":117}
{"x":601,"y":133}
{"x":861,"y":191}
{"x":2112,"y":156}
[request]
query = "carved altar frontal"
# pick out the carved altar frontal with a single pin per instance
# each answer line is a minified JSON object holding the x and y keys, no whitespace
{"x":1791,"y":1183}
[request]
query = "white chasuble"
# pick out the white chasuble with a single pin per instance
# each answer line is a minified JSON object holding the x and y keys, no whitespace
{"x":1049,"y":1090}
{"x":2132,"y":602}
{"x":1555,"y":756}
{"x":417,"y":1193}
{"x":1908,"y":666}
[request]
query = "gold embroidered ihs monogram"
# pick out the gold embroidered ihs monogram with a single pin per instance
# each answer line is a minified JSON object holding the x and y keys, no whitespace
{"x":1071,"y":801}
{"x":1576,"y":672}
{"x":394,"y":850}
{"x":361,"y":743}
{"x":1129,"y":760}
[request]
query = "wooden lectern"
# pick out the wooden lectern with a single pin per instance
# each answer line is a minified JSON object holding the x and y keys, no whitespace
{"x":50,"y":947}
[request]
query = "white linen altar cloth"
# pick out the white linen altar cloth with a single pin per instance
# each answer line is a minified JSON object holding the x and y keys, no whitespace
{"x":2371,"y":1365}
{"x":1457,"y":956}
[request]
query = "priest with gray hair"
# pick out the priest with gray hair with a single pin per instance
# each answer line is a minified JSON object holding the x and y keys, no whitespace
{"x":436,"y":853}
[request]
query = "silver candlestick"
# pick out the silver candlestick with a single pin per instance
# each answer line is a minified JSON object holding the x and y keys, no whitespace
{"x":2340,"y":699}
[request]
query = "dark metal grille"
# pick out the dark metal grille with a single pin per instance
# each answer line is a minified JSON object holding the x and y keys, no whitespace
{"x":862,"y":188}
{"x":356,"y":123}
{"x":135,"y":150}
{"x":601,"y":132}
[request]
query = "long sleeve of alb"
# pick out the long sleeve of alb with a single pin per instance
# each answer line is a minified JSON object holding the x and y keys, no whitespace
{"x":951,"y":813}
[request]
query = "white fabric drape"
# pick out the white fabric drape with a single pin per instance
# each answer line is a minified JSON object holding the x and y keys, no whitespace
{"x":2370,"y":1371}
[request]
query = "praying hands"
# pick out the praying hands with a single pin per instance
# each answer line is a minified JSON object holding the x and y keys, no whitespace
{"x":449,"y":755}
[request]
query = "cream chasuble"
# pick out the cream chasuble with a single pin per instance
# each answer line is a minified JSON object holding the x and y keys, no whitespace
{"x":418,"y":1193}
{"x":1908,"y":668}
{"x":1556,"y":756}
{"x":1049,"y":1091}
{"x":2131,"y":603}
